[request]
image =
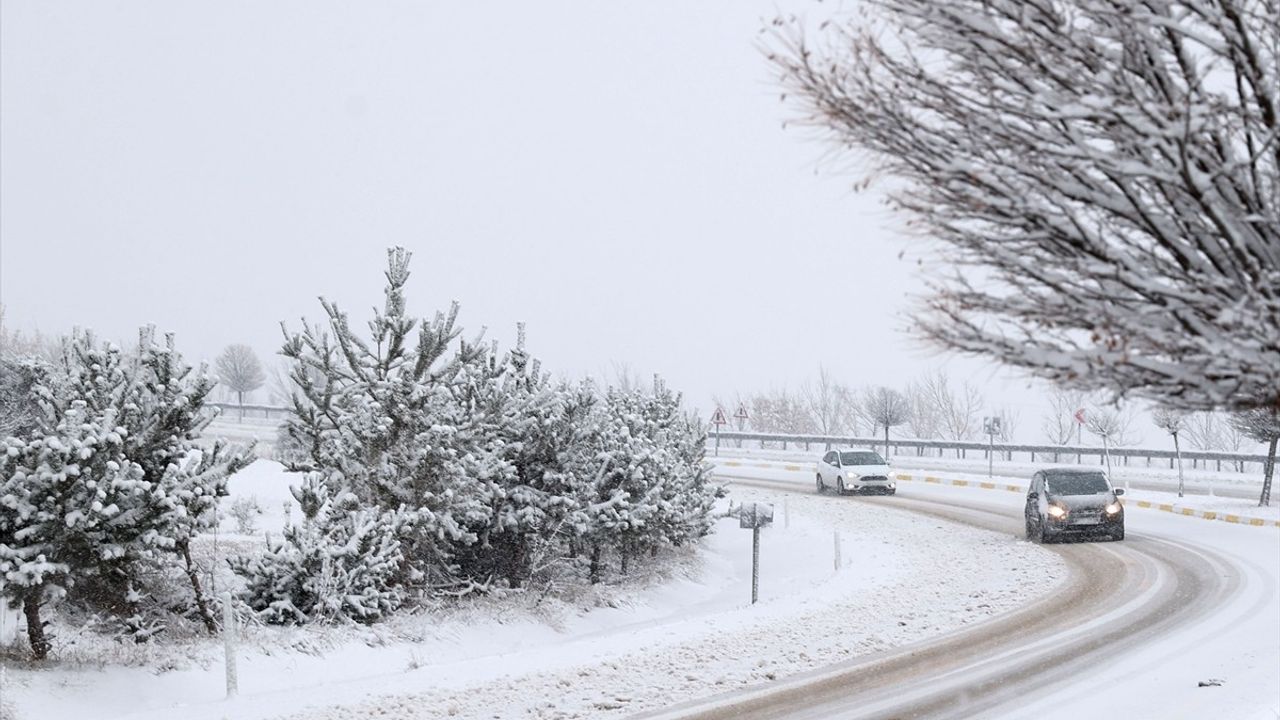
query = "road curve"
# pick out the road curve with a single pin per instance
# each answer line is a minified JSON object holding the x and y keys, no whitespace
{"x":1117,"y":596}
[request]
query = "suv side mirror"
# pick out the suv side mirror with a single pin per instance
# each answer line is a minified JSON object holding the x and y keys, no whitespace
{"x":1118,"y":491}
{"x":1033,"y":495}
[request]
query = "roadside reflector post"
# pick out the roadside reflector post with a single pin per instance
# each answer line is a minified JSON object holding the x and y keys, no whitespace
{"x":835,"y":536}
{"x":229,"y":644}
{"x":786,"y":515}
{"x":755,"y":516}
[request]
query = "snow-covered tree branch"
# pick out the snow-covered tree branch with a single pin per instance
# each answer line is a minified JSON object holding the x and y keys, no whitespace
{"x":1102,"y":174}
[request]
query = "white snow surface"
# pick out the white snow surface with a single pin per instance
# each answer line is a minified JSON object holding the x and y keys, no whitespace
{"x":1238,"y":644}
{"x":682,"y":631}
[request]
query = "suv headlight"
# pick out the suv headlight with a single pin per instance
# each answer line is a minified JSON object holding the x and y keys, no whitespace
{"x":1113,"y":508}
{"x":1056,"y":511}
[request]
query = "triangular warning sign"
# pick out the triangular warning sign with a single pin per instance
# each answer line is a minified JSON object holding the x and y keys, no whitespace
{"x":742,"y":413}
{"x":717,"y":418}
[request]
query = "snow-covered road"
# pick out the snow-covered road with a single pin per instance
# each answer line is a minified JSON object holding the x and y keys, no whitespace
{"x":1140,"y":624}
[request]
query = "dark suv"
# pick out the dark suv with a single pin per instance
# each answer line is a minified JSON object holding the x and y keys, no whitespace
{"x":1073,"y":501}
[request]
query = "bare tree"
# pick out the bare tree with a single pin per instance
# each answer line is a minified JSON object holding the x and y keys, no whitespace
{"x":239,"y":369}
{"x":830,"y":404}
{"x":780,"y":411}
{"x":924,"y":419}
{"x":1103,"y":175}
{"x":1060,"y":426}
{"x":957,"y":408}
{"x":1203,"y":430}
{"x":1262,"y":425}
{"x":1113,"y":425}
{"x":1173,"y":422}
{"x":15,"y":343}
{"x":887,"y":408}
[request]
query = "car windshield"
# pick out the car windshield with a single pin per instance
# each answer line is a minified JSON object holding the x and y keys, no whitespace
{"x":861,"y":458}
{"x":1078,"y":484}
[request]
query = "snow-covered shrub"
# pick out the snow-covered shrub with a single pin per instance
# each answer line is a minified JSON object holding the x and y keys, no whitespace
{"x":245,"y":511}
{"x":345,"y":564}
{"x":107,"y":483}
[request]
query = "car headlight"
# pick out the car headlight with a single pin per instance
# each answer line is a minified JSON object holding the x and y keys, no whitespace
{"x":1057,"y":512}
{"x":1113,"y":508}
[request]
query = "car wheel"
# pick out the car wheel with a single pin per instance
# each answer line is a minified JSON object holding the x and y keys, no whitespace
{"x":821,"y":488}
{"x":839,"y":486}
{"x":1037,"y":533}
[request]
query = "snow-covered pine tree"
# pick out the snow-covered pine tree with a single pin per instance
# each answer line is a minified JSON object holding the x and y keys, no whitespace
{"x":345,"y":563}
{"x":107,"y":481}
{"x":650,"y":484}
{"x":68,"y":497}
{"x":532,"y":428}
{"x":380,"y":420}
{"x":163,"y":413}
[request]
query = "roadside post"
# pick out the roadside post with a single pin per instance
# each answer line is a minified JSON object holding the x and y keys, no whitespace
{"x":835,"y":536}
{"x":229,"y":644}
{"x":742,"y":417}
{"x":718,"y":419}
{"x":991,"y":426}
{"x":755,"y":516}
{"x":1079,"y":416}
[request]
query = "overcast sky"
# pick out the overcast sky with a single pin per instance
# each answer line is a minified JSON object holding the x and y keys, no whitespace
{"x":615,"y":175}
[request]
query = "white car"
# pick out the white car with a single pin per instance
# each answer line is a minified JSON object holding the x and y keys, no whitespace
{"x":855,"y":471}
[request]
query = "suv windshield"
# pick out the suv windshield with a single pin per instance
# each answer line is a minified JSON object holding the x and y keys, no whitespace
{"x":1077,"y":484}
{"x":860,"y":458}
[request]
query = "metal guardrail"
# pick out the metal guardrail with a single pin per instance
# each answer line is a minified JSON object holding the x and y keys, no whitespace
{"x":233,"y":410}
{"x":964,"y":447}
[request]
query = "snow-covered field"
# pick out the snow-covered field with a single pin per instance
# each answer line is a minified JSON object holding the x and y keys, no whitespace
{"x":682,"y":631}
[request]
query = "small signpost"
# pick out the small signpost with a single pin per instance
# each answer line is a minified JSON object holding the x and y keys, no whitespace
{"x":741,"y":416}
{"x":992,"y":427}
{"x":755,"y":516}
{"x":1079,"y":415}
{"x":718,"y":419}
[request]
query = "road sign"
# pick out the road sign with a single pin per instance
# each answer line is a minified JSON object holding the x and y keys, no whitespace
{"x":741,"y":414}
{"x":1080,"y":416}
{"x":717,"y":417}
{"x":754,"y":515}
{"x":991,"y":425}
